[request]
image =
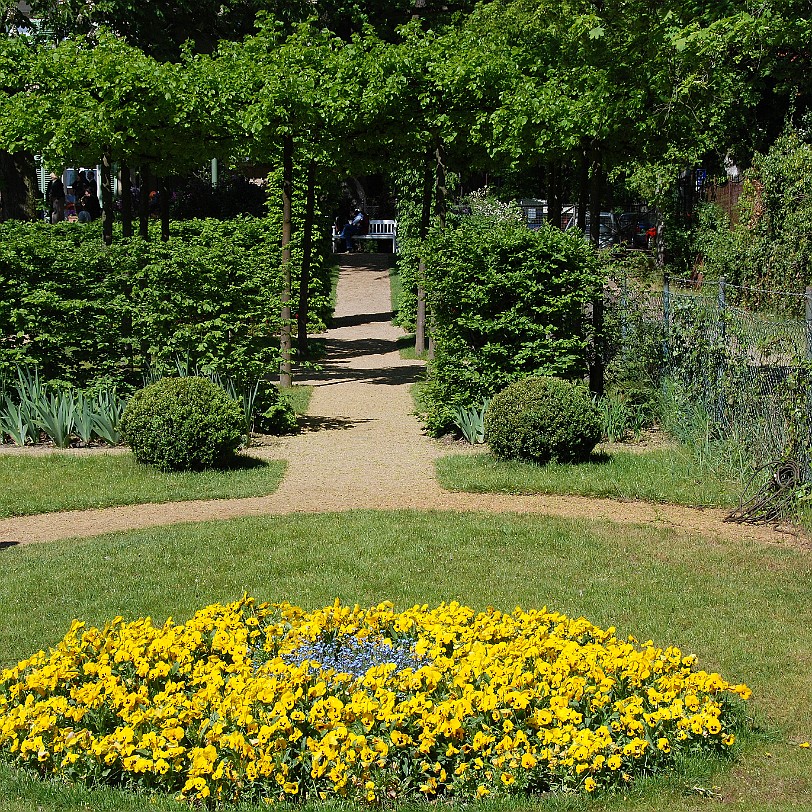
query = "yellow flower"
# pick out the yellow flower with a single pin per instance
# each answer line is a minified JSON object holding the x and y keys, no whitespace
{"x":223,"y":700}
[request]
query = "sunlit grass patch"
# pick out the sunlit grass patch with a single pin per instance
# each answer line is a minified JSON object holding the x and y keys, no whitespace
{"x":742,"y":608}
{"x":659,"y":475}
{"x":43,"y":483}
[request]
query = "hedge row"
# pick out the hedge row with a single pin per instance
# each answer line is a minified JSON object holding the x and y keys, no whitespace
{"x":506,"y":302}
{"x":79,"y":311}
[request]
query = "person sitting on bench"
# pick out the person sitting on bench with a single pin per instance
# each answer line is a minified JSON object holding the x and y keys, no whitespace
{"x":353,"y":227}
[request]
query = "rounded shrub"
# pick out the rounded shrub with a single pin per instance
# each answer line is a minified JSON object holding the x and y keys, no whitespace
{"x":182,"y":424}
{"x":542,"y":419}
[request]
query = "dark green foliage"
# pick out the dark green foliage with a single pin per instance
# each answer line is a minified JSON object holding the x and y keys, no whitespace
{"x":506,"y":302}
{"x":182,"y":424}
{"x":234,"y":195}
{"x":408,"y":257}
{"x":79,"y":311}
{"x":542,"y":420}
{"x":769,"y":247}
{"x":272,"y":412}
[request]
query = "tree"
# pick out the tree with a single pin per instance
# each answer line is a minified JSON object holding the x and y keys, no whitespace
{"x":293,"y":90}
{"x":18,"y":181}
{"x":111,"y":102}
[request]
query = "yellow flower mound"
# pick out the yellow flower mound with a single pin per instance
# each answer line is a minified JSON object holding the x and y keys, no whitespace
{"x":224,"y":707}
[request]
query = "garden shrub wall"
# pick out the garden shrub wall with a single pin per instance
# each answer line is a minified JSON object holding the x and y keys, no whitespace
{"x":506,"y":302}
{"x":79,"y":311}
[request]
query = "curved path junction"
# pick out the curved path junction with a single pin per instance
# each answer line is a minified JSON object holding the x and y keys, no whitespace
{"x":363,"y":449}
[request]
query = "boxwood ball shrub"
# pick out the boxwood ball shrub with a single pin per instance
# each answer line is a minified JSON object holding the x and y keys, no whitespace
{"x":542,"y":419}
{"x":182,"y":424}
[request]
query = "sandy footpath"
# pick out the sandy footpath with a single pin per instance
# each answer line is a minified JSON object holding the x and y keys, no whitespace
{"x":362,"y":449}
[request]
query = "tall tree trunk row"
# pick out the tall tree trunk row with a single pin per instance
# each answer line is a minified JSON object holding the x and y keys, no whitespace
{"x":107,"y":199}
{"x":285,"y":345}
{"x":302,"y":313}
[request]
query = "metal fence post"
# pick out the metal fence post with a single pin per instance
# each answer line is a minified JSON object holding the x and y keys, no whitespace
{"x":808,"y":315}
{"x":721,"y":346}
{"x":803,"y":375}
{"x":624,"y":303}
{"x":666,"y":320}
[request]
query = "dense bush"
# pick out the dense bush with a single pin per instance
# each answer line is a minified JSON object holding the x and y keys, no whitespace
{"x":542,"y":419}
{"x":506,"y":302}
{"x":769,"y":247}
{"x":272,"y":412}
{"x":79,"y":311}
{"x":182,"y":424}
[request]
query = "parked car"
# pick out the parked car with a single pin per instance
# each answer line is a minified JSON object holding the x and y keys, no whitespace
{"x":609,"y":228}
{"x":637,"y":229}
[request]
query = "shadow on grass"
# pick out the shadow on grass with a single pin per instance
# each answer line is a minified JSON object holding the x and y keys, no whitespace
{"x":242,"y":462}
{"x":600,"y":457}
{"x":595,"y":458}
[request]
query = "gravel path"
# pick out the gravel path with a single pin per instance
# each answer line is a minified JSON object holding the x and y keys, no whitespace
{"x":362,"y":448}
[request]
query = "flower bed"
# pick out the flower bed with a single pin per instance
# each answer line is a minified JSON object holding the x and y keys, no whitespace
{"x":251,"y":701}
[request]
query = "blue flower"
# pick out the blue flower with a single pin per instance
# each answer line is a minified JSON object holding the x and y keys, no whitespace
{"x":349,"y":655}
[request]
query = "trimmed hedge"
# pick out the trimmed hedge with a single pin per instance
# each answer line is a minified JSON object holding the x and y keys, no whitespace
{"x":79,"y":311}
{"x":506,"y":302}
{"x":541,"y":420}
{"x":182,"y":424}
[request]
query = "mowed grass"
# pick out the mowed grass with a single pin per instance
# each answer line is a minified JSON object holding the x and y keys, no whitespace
{"x":42,"y":483}
{"x":298,"y":396}
{"x":660,"y":475}
{"x":744,"y":609}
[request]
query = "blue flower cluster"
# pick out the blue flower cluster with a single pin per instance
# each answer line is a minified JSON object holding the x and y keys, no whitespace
{"x":349,"y":655}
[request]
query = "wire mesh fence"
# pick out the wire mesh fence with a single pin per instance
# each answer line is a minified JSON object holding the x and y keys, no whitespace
{"x":738,"y":375}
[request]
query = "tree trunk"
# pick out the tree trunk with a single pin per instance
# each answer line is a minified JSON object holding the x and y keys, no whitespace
{"x":659,"y":239}
{"x":307,"y":253}
{"x":595,"y":192}
{"x":126,"y":202}
{"x":107,"y":199}
{"x":18,"y":186}
{"x":583,"y":187}
{"x":441,"y":189}
{"x":163,"y":200}
{"x":285,"y":366}
{"x":554,"y":195}
{"x":425,"y":220}
{"x":442,"y":185}
{"x":596,"y":367}
{"x":143,"y":202}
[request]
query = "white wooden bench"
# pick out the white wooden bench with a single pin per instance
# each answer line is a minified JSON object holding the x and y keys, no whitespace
{"x":378,"y":230}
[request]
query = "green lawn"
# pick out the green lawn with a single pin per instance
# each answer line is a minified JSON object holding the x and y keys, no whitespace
{"x":662,"y":475}
{"x":299,"y":396}
{"x":47,"y":482}
{"x":743,"y":608}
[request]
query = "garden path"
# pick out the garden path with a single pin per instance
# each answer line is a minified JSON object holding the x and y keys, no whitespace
{"x":362,"y":449}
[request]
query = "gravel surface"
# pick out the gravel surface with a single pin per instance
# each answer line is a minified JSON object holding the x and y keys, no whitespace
{"x":363,"y":449}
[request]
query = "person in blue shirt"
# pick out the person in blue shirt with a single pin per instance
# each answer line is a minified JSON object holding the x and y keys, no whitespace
{"x":351,"y":229}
